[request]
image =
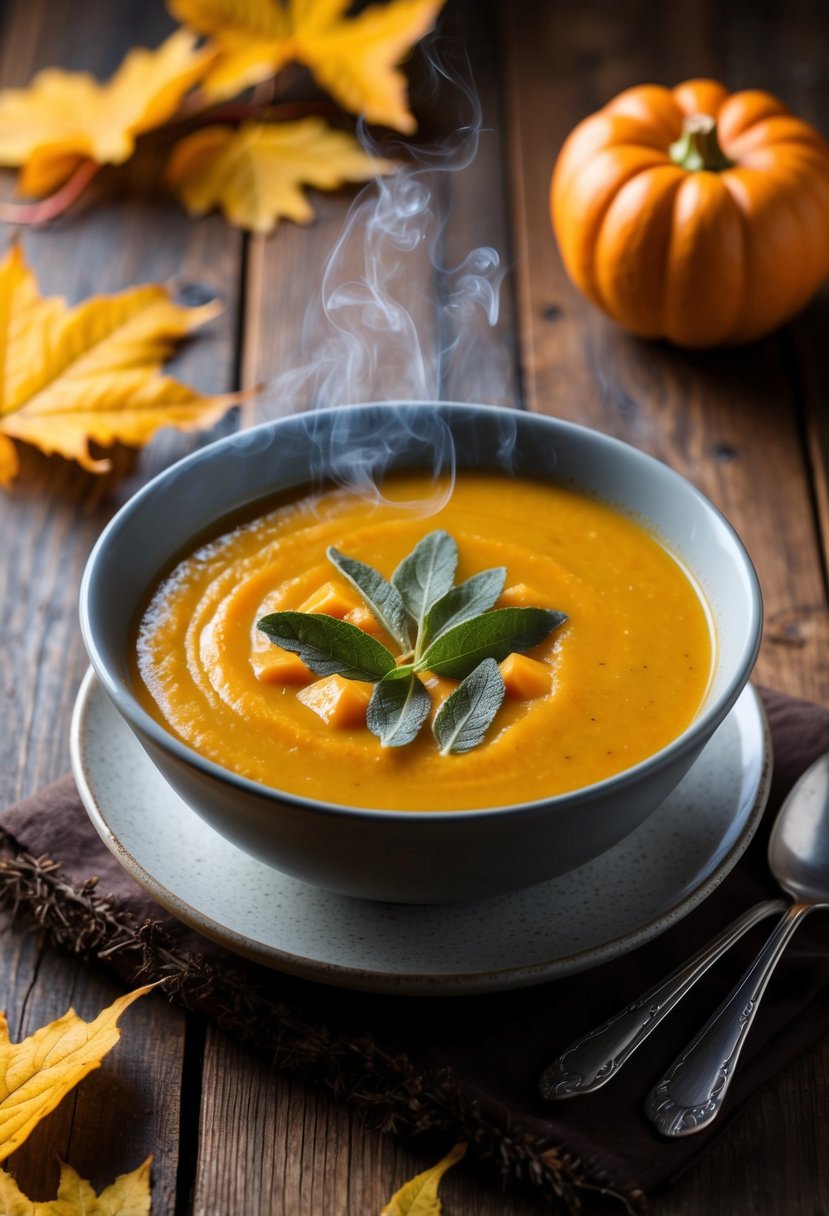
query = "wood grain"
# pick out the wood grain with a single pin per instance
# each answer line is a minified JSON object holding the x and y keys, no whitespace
{"x":274,"y":1145}
{"x":465,"y":360}
{"x":728,"y":420}
{"x":56,"y":511}
{"x":126,"y":232}
{"x":120,"y":1113}
{"x":749,"y":427}
{"x":731,"y":421}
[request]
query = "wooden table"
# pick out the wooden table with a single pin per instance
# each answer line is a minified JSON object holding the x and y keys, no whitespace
{"x":749,"y":427}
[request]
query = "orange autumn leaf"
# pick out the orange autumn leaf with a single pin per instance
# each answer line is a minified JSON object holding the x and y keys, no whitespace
{"x":256,"y":173}
{"x":65,"y":118}
{"x":69,"y":377}
{"x":354,"y":58}
{"x":36,"y":1073}
{"x":128,"y":1195}
{"x":419,"y":1196}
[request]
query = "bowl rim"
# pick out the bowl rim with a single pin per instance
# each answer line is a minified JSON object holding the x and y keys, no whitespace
{"x":690,"y":739}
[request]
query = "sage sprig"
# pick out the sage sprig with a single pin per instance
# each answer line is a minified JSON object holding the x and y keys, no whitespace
{"x":478,"y":594}
{"x":467,"y":713}
{"x":440,"y":628}
{"x":329,"y":646}
{"x":397,"y":710}
{"x":424,"y":577}
{"x":381,"y":597}
{"x":492,"y":635}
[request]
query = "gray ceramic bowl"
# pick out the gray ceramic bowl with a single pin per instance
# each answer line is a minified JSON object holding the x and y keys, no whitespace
{"x":396,"y":855}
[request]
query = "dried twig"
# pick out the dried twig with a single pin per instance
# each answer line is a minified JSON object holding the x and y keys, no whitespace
{"x":46,"y":209}
{"x":390,"y":1091}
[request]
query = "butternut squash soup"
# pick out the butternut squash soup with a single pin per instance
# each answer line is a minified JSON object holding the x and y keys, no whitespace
{"x":611,"y":684}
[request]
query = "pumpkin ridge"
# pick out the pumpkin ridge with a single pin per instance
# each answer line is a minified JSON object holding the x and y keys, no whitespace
{"x":690,"y":264}
{"x":686,"y":313}
{"x":652,"y":231}
{"x":583,"y":270}
{"x":597,"y":233}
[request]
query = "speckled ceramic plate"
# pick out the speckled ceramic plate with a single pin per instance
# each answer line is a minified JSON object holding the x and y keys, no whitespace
{"x":617,"y":902}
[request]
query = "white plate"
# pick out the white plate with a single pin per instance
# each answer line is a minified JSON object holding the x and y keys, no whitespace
{"x":616,"y":902}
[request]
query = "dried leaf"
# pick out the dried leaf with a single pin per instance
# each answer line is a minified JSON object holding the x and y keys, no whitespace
{"x":354,"y":58}
{"x":256,"y":173}
{"x":419,"y":1197}
{"x":64,"y":118}
{"x":128,"y":1195}
{"x":37,"y":1073}
{"x":91,"y":373}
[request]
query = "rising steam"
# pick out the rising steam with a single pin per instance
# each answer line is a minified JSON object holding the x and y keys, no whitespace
{"x":392,"y":321}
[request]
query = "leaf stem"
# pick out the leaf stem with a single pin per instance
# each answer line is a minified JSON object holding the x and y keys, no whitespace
{"x":698,"y":148}
{"x":240,"y":111}
{"x":55,"y":205}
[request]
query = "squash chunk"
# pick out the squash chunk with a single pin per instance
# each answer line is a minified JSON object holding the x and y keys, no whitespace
{"x":520,"y":596}
{"x":331,"y":600}
{"x":439,"y":686}
{"x":364,"y":619}
{"x":340,"y":703}
{"x":525,"y":678}
{"x":280,"y":666}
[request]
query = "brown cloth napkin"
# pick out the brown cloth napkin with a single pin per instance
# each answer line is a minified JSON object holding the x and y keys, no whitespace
{"x":466,"y":1067}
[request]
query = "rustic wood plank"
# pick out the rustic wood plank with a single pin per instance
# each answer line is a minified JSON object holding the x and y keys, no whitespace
{"x":727,"y":420}
{"x":56,"y":511}
{"x":730,"y":421}
{"x":126,"y":232}
{"x":122,"y":1112}
{"x":284,"y":273}
{"x":272,"y":1144}
{"x":772,"y":1160}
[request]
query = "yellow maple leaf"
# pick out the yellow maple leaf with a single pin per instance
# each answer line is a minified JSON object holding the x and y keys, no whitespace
{"x":256,"y":173}
{"x":36,"y":1073}
{"x":128,"y":1195}
{"x":354,"y":58}
{"x":419,"y":1196}
{"x":65,"y":118}
{"x":69,"y":377}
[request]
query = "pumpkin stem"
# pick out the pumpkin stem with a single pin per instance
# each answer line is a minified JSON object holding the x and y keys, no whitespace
{"x":698,"y":147}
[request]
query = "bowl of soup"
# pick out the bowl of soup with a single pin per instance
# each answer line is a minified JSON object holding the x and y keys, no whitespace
{"x":652,"y":603}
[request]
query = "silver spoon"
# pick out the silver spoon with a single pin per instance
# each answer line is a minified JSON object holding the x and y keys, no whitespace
{"x":592,"y":1060}
{"x":597,"y":1056}
{"x":691,"y":1093}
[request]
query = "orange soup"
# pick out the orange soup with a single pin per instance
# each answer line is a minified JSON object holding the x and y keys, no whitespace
{"x":619,"y":680}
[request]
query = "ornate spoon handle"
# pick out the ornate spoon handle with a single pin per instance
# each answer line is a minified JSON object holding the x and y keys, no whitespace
{"x":691,"y":1093}
{"x":593,"y":1059}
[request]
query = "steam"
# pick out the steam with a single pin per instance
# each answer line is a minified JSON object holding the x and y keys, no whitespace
{"x":392,"y":321}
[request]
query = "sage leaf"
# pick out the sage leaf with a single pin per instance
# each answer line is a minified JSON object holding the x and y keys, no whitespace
{"x":426,"y":575}
{"x":328,"y":646}
{"x":382,"y":598}
{"x":493,"y":635}
{"x":476,"y":595}
{"x":466,"y":715}
{"x":397,"y":710}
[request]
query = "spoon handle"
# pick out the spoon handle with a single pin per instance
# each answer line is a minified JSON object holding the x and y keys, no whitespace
{"x":593,"y":1059}
{"x":691,"y":1093}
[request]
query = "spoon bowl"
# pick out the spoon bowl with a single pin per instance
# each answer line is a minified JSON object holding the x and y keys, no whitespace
{"x":799,"y":843}
{"x":691,"y":1094}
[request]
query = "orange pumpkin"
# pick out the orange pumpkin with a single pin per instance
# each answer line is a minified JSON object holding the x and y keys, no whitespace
{"x":693,"y":214}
